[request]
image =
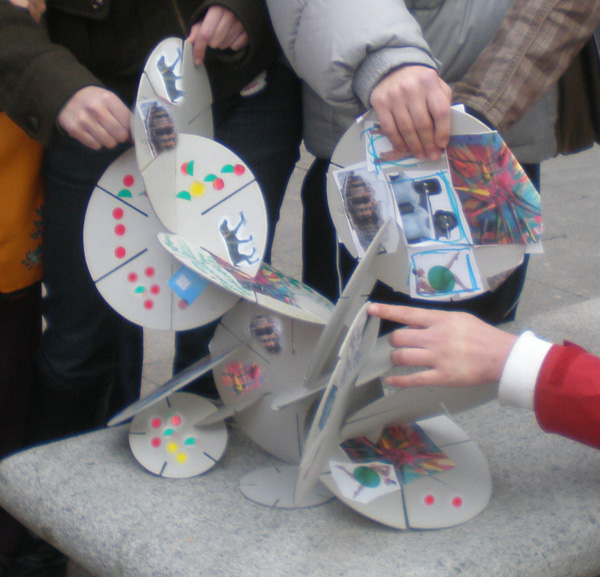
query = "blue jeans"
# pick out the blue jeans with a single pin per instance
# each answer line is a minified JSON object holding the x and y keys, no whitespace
{"x":265,"y":131}
{"x":88,"y":351}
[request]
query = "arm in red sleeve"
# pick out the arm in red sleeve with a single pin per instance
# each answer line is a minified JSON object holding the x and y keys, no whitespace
{"x":567,"y":394}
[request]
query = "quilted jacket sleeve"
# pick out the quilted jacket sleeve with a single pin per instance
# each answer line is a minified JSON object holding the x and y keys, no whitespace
{"x":30,"y":92}
{"x":343,"y":48}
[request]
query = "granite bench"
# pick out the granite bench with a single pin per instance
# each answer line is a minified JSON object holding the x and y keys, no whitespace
{"x":89,"y":497}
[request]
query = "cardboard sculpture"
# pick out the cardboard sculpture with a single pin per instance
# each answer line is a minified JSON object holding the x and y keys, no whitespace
{"x":302,"y":377}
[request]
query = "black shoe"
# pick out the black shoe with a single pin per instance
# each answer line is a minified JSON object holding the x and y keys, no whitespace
{"x":41,"y":560}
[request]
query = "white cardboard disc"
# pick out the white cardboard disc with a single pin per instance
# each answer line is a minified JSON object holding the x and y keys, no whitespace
{"x":440,"y":500}
{"x":274,"y":487}
{"x":272,"y":354}
{"x":393,"y":268}
{"x":131,"y":269}
{"x":172,"y":92}
{"x":164,"y":441}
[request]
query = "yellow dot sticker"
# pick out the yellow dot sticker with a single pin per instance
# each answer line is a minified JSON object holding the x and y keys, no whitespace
{"x":181,"y":458}
{"x":172,"y":447}
{"x":197,"y":188}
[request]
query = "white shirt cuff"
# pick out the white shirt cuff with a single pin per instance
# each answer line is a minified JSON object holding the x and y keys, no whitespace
{"x":517,"y":384}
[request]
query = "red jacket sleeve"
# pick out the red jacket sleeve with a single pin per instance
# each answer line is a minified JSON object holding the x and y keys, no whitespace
{"x":567,"y":394}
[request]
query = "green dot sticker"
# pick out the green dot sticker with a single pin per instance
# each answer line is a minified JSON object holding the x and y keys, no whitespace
{"x":367,"y":477}
{"x":441,"y":279}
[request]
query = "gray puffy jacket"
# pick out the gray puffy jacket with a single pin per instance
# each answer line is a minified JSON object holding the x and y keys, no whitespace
{"x":342,"y":48}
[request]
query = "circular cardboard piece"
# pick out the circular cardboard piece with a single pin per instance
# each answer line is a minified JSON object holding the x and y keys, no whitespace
{"x":164,"y":441}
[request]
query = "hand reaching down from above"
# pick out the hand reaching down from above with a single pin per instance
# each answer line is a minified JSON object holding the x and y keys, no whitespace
{"x":413,"y":108}
{"x":219,"y":29}
{"x":35,"y":7}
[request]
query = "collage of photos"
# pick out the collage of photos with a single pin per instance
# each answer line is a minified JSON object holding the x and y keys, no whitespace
{"x":476,"y":194}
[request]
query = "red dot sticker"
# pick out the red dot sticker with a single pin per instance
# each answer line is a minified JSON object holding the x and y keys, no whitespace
{"x":176,"y":420}
{"x":218,"y":184}
{"x":457,"y":502}
{"x":120,"y":229}
{"x":132,"y":277}
{"x":239,"y":169}
{"x":182,"y":305}
{"x":117,"y":213}
{"x":155,"y":423}
{"x":429,"y":500}
{"x":155,"y":442}
{"x":120,"y":252}
{"x":154,"y":289}
{"x":150,"y":271}
{"x":128,"y":180}
{"x":148,"y":305}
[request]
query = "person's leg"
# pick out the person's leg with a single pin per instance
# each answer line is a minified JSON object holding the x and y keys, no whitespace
{"x":265,"y":131}
{"x":21,"y":323}
{"x":319,"y":241}
{"x":83,"y":340}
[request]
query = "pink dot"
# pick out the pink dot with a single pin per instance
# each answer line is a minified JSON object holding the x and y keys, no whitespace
{"x":154,"y":289}
{"x":120,"y":230}
{"x":155,"y":423}
{"x":148,"y":305}
{"x":132,"y":277}
{"x":176,"y":420}
{"x":218,"y":184}
{"x":150,"y":271}
{"x":429,"y":500}
{"x":239,"y":169}
{"x":182,"y":305}
{"x":128,"y":180}
{"x":457,"y":502}
{"x":120,"y":252}
{"x":155,"y":442}
{"x":117,"y":213}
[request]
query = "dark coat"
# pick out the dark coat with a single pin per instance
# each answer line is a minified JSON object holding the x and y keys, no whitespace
{"x":106,"y":43}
